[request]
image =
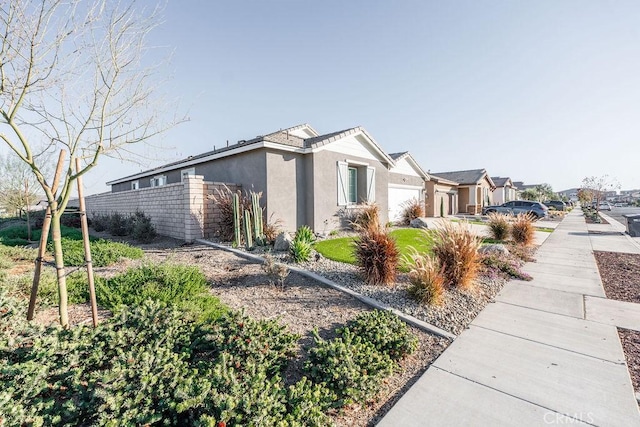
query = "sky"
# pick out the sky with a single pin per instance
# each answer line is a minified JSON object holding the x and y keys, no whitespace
{"x":544,"y":91}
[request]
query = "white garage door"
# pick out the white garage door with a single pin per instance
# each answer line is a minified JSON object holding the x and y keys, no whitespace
{"x":399,"y":195}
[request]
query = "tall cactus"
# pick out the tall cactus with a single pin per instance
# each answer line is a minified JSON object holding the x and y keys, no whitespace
{"x":236,"y":220}
{"x":248,"y":239}
{"x":256,"y":211}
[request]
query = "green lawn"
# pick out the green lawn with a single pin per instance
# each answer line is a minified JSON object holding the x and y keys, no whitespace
{"x":341,"y":249}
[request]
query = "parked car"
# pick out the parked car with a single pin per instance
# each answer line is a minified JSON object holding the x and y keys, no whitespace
{"x":558,"y":205}
{"x":604,"y":206}
{"x":516,"y":207}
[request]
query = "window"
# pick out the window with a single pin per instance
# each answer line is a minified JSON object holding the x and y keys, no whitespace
{"x":187,"y":172}
{"x":353,"y":186}
{"x":356,"y":183}
{"x":135,"y":185}
{"x":158,"y":181}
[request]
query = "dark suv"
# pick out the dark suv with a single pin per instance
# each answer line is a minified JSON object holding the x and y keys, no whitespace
{"x":516,"y":207}
{"x":558,"y":205}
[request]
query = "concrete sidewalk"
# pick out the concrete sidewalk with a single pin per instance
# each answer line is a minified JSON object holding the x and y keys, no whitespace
{"x":540,"y":355}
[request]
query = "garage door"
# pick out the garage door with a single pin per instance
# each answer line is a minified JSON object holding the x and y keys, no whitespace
{"x":398,"y":196}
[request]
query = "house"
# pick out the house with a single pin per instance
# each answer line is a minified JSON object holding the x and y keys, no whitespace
{"x":569,"y":194}
{"x":442,"y":197}
{"x":505,"y":190}
{"x":305,"y":178}
{"x":406,"y":182}
{"x":475,"y":189}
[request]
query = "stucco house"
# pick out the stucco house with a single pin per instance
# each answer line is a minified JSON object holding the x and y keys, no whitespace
{"x":305,"y":178}
{"x":475,"y":189}
{"x":505,"y":191}
{"x":442,"y":197}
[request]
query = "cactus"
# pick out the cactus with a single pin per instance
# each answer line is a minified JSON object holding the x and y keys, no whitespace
{"x":236,"y":220}
{"x":248,"y":239}
{"x":256,"y":211}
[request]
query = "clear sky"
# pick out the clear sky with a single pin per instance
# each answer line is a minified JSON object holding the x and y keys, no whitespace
{"x":540,"y":91}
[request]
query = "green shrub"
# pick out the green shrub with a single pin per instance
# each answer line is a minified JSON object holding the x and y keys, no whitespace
{"x":120,"y":224}
{"x":304,"y":234}
{"x":349,"y":366}
{"x":100,"y":222}
{"x":388,"y":334}
{"x":522,"y":230}
{"x":498,"y":226}
{"x":377,"y":255}
{"x":425,"y":278}
{"x":103,"y":252}
{"x":142,"y":229}
{"x":300,"y":250}
{"x":179,"y":285}
{"x":456,"y":249}
{"x":17,"y":253}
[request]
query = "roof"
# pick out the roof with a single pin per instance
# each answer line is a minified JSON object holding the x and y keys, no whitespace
{"x":284,"y":137}
{"x":416,"y":166}
{"x":501,"y":181}
{"x":472,"y":176}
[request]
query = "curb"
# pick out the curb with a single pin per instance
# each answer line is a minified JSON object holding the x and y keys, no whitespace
{"x":620,"y":227}
{"x":369,"y":301}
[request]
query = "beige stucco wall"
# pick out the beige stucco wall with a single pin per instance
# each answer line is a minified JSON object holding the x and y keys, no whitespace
{"x":437,"y":192}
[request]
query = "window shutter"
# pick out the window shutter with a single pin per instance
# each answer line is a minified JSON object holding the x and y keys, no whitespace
{"x":371,"y":184}
{"x":343,"y":183}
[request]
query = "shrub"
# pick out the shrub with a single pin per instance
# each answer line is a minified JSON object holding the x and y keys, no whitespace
{"x":366,"y":217}
{"x":388,"y":334}
{"x":272,"y":229}
{"x":456,"y":249}
{"x":425,"y":278}
{"x":377,"y":256}
{"x":277,"y":272}
{"x":411,"y":209}
{"x":151,"y":366}
{"x":223,"y":200}
{"x":100,"y":222}
{"x":498,"y":226}
{"x":300,"y":250}
{"x":505,"y":265}
{"x":142,"y":228}
{"x":304,"y":234}
{"x":522,"y":230}
{"x":174,"y":284}
{"x":120,"y":224}
{"x":349,"y":366}
{"x":103,"y":252}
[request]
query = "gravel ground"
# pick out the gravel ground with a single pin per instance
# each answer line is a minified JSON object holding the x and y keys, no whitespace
{"x":620,"y":274}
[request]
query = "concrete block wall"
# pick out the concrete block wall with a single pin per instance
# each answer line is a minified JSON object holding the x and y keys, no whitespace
{"x":181,"y":210}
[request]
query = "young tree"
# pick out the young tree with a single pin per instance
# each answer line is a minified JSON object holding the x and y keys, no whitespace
{"x":598,"y":186}
{"x":73,"y":79}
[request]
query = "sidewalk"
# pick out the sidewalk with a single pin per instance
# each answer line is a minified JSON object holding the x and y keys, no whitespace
{"x":545,"y":353}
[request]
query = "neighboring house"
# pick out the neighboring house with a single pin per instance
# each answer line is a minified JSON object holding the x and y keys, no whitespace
{"x":505,"y":190}
{"x":570,"y":194}
{"x":406,"y":182}
{"x":442,"y":197}
{"x":475,"y":189}
{"x":305,"y":178}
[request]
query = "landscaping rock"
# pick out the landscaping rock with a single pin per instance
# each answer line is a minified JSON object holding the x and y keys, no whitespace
{"x":419,"y":223}
{"x":283,"y":241}
{"x":494,"y":248}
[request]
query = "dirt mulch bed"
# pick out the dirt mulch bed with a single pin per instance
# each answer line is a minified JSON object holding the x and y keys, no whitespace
{"x":631,"y":346}
{"x":620,"y":273}
{"x":302,"y":305}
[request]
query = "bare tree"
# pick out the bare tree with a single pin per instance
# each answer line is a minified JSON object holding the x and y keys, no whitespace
{"x":74,"y":79}
{"x":597,"y":187}
{"x":19,"y":188}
